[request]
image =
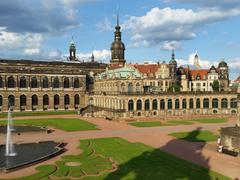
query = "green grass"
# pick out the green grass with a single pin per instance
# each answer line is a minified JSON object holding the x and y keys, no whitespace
{"x":146,"y":124}
{"x":135,"y":161}
{"x":37,"y":113}
{"x":211,"y":120}
{"x":196,"y":136}
{"x":59,"y":123}
{"x":185,"y":122}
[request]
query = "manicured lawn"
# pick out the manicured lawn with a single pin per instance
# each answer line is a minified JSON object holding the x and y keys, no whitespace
{"x":37,"y":113}
{"x":59,"y":123}
{"x":146,"y":124}
{"x":210,"y":120}
{"x":196,"y":136}
{"x":135,"y":161}
{"x":185,"y":122}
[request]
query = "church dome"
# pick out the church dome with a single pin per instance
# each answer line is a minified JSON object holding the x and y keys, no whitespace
{"x":222,"y":64}
{"x":212,"y":68}
{"x":117,"y":45}
{"x":173,"y":61}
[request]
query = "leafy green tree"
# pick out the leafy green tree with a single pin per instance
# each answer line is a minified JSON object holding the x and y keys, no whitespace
{"x":215,"y":86}
{"x":176,"y":87}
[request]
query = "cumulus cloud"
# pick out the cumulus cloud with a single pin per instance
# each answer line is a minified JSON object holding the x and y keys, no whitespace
{"x":99,"y":55}
{"x":170,"y":45}
{"x":55,"y":54}
{"x":160,"y":25}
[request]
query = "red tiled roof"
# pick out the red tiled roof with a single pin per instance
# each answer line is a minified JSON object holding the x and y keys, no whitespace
{"x":237,"y":80}
{"x":146,"y":68}
{"x":114,"y":66}
{"x":202,"y":72}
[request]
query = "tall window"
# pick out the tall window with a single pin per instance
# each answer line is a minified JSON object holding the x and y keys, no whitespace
{"x":45,"y":82}
{"x":1,"y":82}
{"x":215,"y":103}
{"x":154,"y":104}
{"x":198,"y":103}
{"x":184,"y":104}
{"x":177,"y":104}
{"x":76,"y":99}
{"x":56,"y":100}
{"x":23,"y":100}
{"x":45,"y":100}
{"x":66,"y":99}
{"x":130,"y":87}
{"x":205,"y":103}
{"x":233,"y":103}
{"x":11,"y":100}
{"x":76,"y":83}
{"x":1,"y":100}
{"x":224,"y":103}
{"x":56,"y":83}
{"x":162,"y":104}
{"x":139,"y":105}
{"x":169,"y":104}
{"x":130,"y":105}
{"x":191,"y":103}
{"x":147,"y":105}
{"x":23,"y":82}
{"x":66,"y":83}
{"x":11,"y":82}
{"x":34,"y":82}
{"x":34,"y":100}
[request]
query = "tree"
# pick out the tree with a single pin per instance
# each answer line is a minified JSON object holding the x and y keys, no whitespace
{"x":215,"y":85}
{"x":176,"y":87}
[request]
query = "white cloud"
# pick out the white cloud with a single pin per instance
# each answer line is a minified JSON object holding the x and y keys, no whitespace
{"x":31,"y":51}
{"x":159,"y":25}
{"x":99,"y":55}
{"x":104,"y":26}
{"x":55,"y":54}
{"x":170,"y":45}
{"x":235,"y":63}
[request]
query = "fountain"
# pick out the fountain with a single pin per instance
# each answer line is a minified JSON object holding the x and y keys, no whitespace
{"x":9,"y":149}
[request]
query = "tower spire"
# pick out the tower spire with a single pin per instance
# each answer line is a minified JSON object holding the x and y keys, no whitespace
{"x":173,"y":54}
{"x":117,"y":16}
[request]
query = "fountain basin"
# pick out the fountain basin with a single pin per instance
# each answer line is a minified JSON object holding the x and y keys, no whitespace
{"x":28,"y":154}
{"x":24,"y":129}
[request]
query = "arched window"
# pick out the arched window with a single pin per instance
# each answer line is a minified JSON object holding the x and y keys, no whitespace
{"x":138,"y":87}
{"x":198,"y":103}
{"x":34,"y":100}
{"x":130,"y":105}
{"x":215,"y":103}
{"x":123,"y":87}
{"x":45,"y":100}
{"x":56,"y":100}
{"x":177,"y":104}
{"x":23,"y":100}
{"x":34,"y":82}
{"x":56,"y":83}
{"x":147,"y":105}
{"x":11,"y":82}
{"x":139,"y":105}
{"x":11,"y":100}
{"x":45,"y":82}
{"x":1,"y":82}
{"x":205,"y":103}
{"x":233,"y":103}
{"x":162,"y":104}
{"x":66,"y":99}
{"x":1,"y":101}
{"x":130,"y":87}
{"x":66,"y":83}
{"x":224,"y":103}
{"x":191,"y":103}
{"x":76,"y":99}
{"x":154,"y":104}
{"x":169,"y":104}
{"x":23,"y":82}
{"x":184,"y":104}
{"x":76,"y":83}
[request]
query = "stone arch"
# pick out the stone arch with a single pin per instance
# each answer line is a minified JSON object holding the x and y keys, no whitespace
{"x":130,"y":105}
{"x":147,"y":105}
{"x":45,"y":100}
{"x":170,"y":104}
{"x":184,"y":104}
{"x":11,"y":100}
{"x":191,"y":103}
{"x":34,"y":82}
{"x":214,"y":103}
{"x":177,"y":104}
{"x":162,"y":104}
{"x":56,"y":83}
{"x":56,"y":100}
{"x":66,"y":99}
{"x":34,"y":100}
{"x":76,"y":99}
{"x":76,"y":83}
{"x":224,"y":103}
{"x":45,"y":82}
{"x":139,"y":104}
{"x":23,"y":82}
{"x":154,"y":104}
{"x":23,"y":100}
{"x":11,"y":82}
{"x":66,"y":82}
{"x":205,"y":103}
{"x":198,"y":103}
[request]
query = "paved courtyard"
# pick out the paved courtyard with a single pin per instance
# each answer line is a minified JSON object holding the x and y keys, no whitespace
{"x":204,"y":154}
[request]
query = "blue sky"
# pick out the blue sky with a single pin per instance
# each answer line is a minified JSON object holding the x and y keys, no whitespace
{"x":42,"y":29}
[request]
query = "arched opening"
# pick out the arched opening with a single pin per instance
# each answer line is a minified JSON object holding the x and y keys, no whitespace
{"x":234,"y":112}
{"x":224,"y":103}
{"x":177,"y":104}
{"x":184,"y":104}
{"x":205,"y":103}
{"x":76,"y":101}
{"x":138,"y":87}
{"x":66,"y":101}
{"x":1,"y":82}
{"x":23,"y":82}
{"x":45,"y":83}
{"x":139,"y":105}
{"x":34,"y":82}
{"x":130,"y":105}
{"x":23,"y":102}
{"x":1,"y":100}
{"x":45,"y":102}
{"x":215,"y":103}
{"x":162,"y":104}
{"x":130,"y":87}
{"x":56,"y":83}
{"x":233,"y":103}
{"x":66,"y":83}
{"x":34,"y":101}
{"x":76,"y":83}
{"x":11,"y":101}
{"x":56,"y":100}
{"x":198,"y":103}
{"x":147,"y":105}
{"x":169,"y":104}
{"x":11,"y":82}
{"x":154,"y":104}
{"x":191,"y":103}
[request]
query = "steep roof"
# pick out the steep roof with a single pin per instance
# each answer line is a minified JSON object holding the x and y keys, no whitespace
{"x":199,"y":72}
{"x":146,"y":68}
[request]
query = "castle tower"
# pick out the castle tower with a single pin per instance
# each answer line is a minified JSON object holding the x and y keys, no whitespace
{"x":196,"y":61}
{"x":92,"y":57}
{"x":173,"y":66}
{"x":72,"y":51}
{"x":223,"y":75}
{"x":117,"y":47}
